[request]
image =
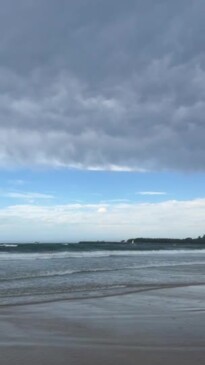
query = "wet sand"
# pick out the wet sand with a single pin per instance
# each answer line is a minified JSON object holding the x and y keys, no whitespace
{"x":163,"y":326}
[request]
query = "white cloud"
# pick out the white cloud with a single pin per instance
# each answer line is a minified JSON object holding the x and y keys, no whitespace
{"x":119,"y":200}
{"x":152,"y":193}
{"x":80,"y":221}
{"x":29,"y":196}
{"x":102,"y":210}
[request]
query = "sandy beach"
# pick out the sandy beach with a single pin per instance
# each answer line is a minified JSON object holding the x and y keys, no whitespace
{"x":154,"y":326}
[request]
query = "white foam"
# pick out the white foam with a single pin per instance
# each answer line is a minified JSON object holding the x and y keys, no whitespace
{"x":96,"y":254}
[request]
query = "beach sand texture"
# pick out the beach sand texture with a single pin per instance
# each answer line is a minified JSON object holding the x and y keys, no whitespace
{"x":150,"y":327}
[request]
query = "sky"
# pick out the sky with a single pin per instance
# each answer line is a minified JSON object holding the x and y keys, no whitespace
{"x":102,"y":129}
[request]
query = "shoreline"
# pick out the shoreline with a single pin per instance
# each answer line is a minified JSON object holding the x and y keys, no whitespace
{"x":130,"y":290}
{"x":154,"y":327}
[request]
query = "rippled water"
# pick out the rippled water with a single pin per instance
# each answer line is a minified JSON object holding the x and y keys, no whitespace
{"x":35,"y":274}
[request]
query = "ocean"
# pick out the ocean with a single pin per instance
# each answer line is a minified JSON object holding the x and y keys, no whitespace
{"x":37,"y":273}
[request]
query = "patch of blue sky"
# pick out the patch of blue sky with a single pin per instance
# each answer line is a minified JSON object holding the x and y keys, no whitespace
{"x":64,"y":186}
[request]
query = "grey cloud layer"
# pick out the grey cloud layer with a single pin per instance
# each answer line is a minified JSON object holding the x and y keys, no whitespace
{"x":96,"y":84}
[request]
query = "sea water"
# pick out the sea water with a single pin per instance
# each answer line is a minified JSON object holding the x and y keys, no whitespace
{"x":35,"y":273}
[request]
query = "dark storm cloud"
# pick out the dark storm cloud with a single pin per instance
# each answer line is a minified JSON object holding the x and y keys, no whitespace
{"x":98,"y":84}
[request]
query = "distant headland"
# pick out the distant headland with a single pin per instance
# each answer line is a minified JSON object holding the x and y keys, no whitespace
{"x":167,"y":240}
{"x":149,"y":240}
